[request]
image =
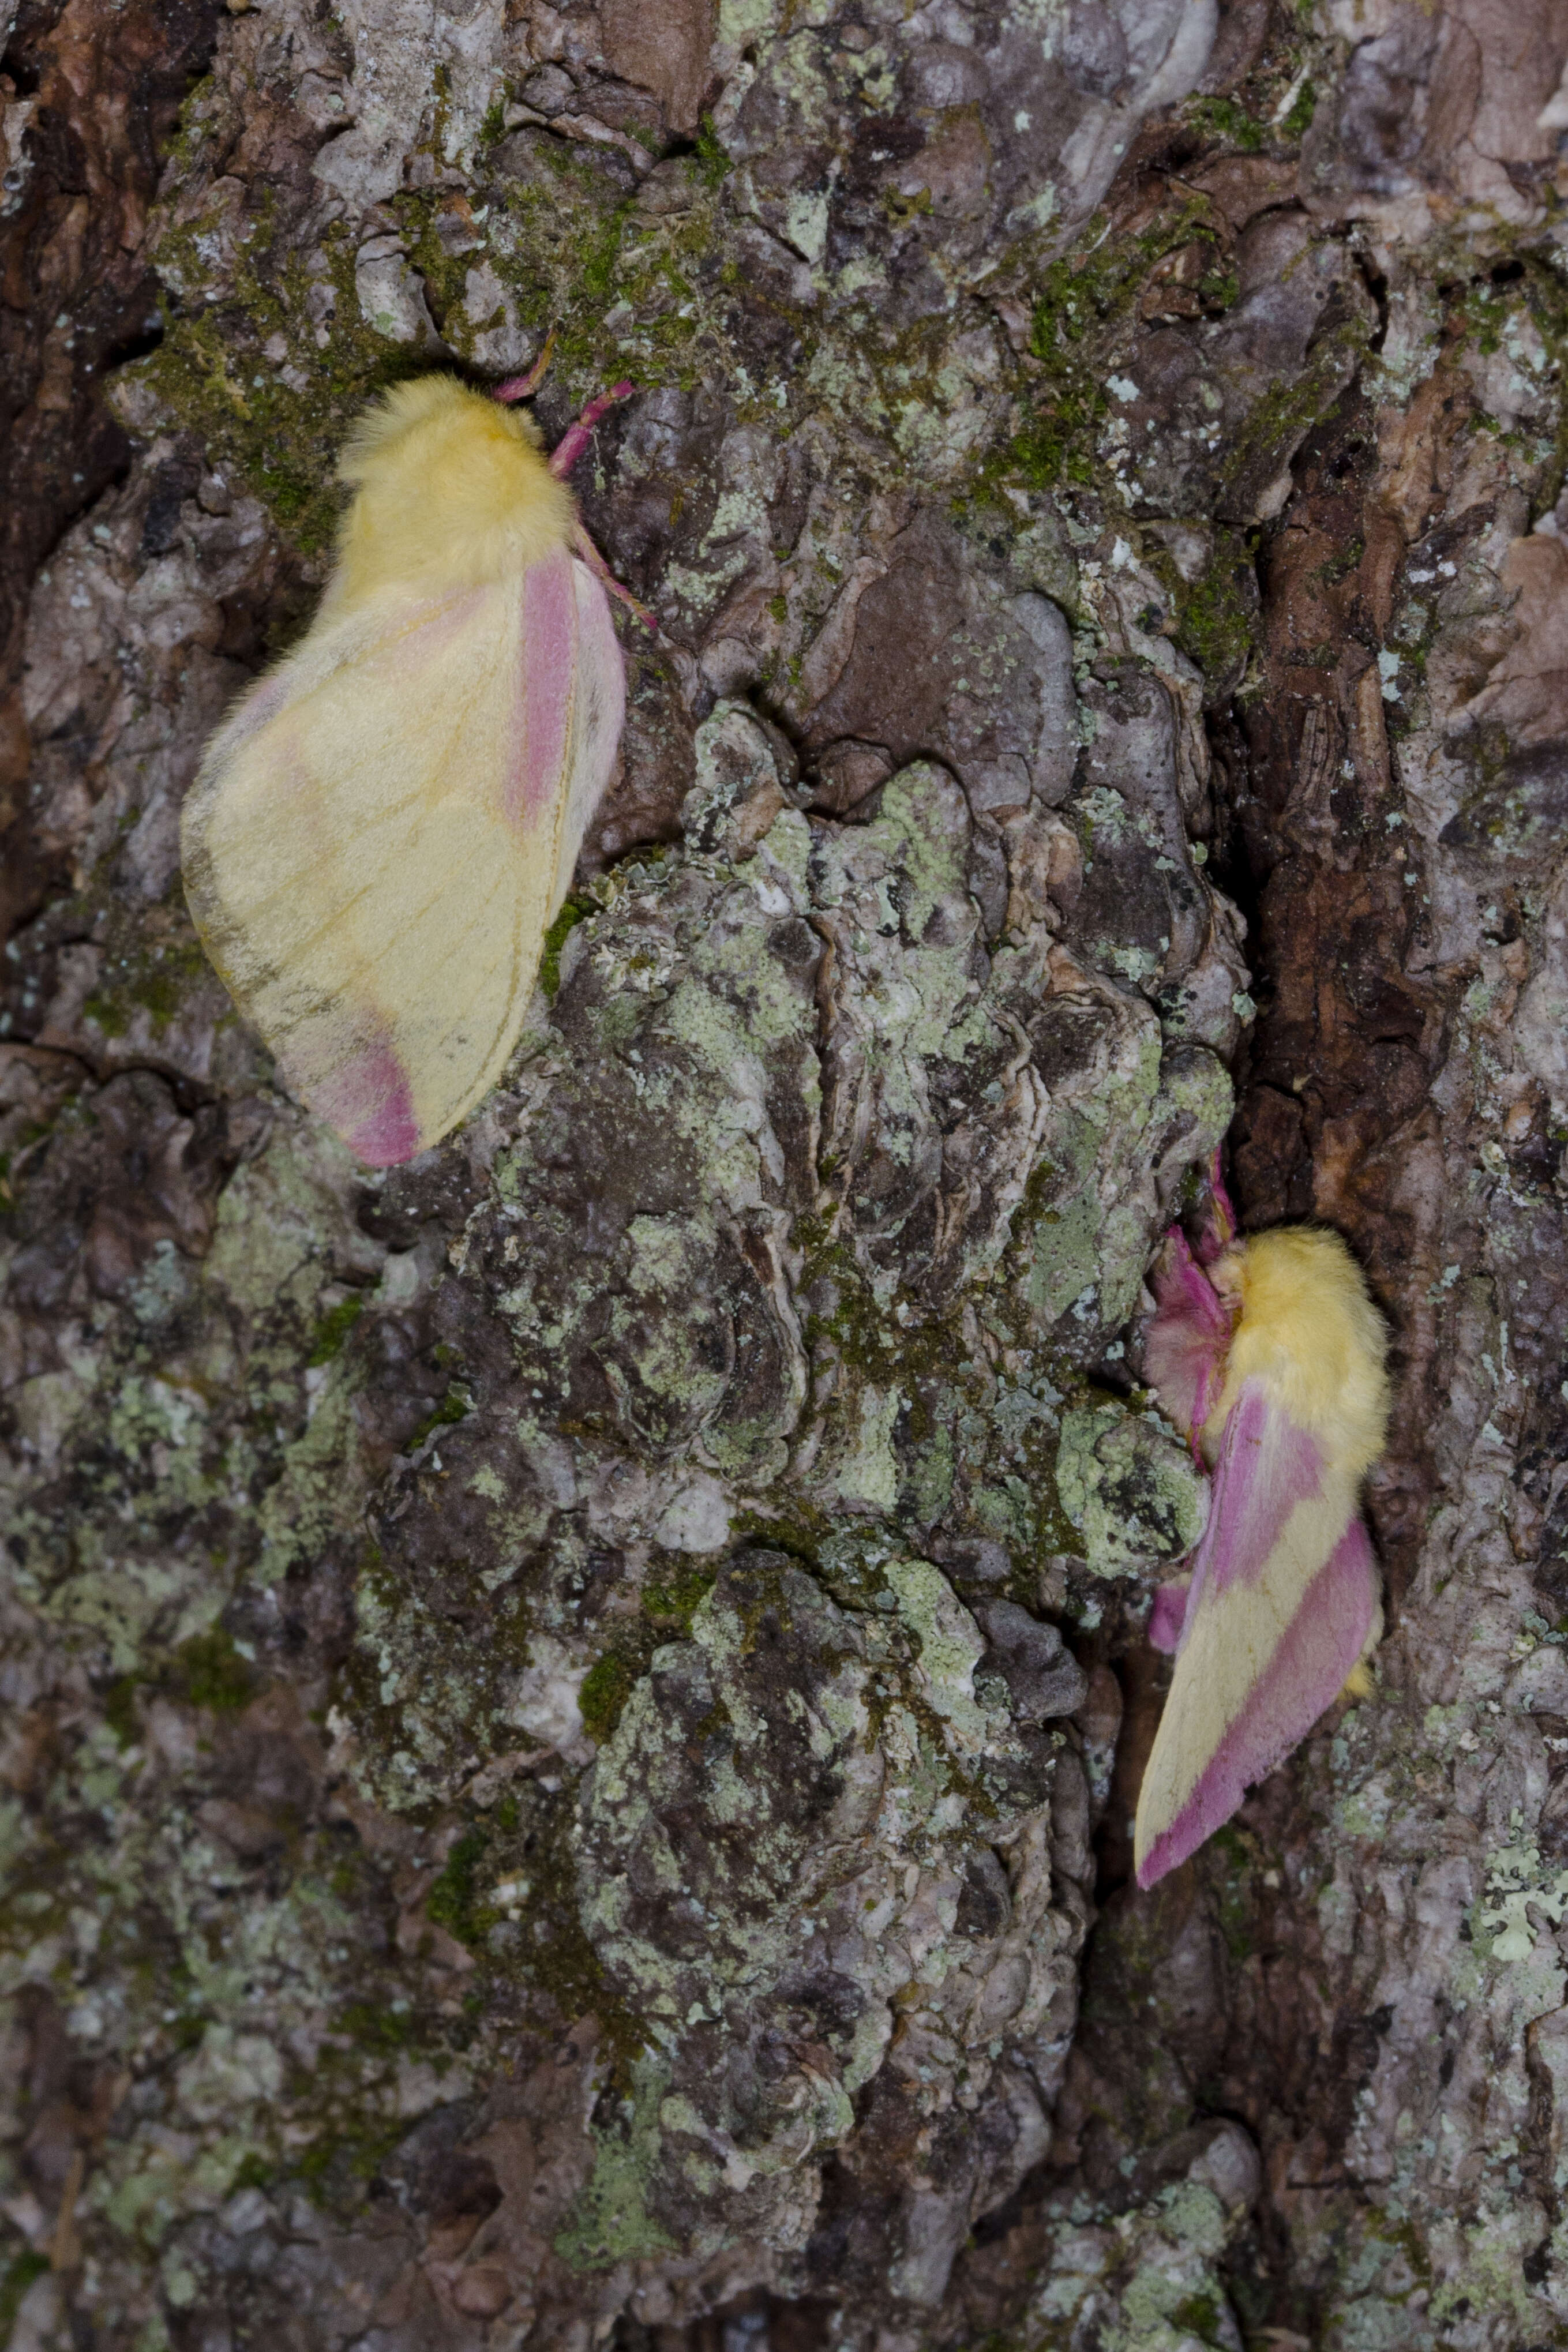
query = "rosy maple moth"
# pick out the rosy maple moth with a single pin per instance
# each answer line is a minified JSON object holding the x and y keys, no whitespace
{"x":1268,"y":1354}
{"x":384,"y":826}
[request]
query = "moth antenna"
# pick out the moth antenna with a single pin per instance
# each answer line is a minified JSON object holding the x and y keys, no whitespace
{"x":523,"y":387}
{"x":1221,"y":1223}
{"x":572,"y":442}
{"x":606,"y":580}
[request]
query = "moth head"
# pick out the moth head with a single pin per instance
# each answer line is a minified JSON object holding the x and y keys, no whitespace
{"x":451,"y":490}
{"x":1228,"y":1276}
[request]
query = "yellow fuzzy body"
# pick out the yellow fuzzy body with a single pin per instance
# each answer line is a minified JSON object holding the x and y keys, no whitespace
{"x":1306,"y":1328}
{"x":452,"y":491}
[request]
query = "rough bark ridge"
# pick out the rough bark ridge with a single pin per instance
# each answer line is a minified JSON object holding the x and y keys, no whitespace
{"x":570,"y":1713}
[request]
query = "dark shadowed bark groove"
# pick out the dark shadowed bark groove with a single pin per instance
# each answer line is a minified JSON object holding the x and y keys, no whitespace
{"x":572,"y":1713}
{"x":91,"y":96}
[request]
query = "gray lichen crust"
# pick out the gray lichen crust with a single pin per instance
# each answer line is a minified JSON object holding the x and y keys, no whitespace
{"x":544,"y":1790}
{"x":822,"y":1857}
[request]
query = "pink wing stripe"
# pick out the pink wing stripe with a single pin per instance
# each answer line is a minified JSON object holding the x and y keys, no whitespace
{"x":368,"y":1102}
{"x":1189,"y":1338}
{"x":544,"y":705}
{"x":1267,"y":1465}
{"x":1308,"y":1671}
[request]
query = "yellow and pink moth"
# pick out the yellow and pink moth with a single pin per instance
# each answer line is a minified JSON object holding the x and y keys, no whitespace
{"x":1268,"y":1354}
{"x":383,"y":827}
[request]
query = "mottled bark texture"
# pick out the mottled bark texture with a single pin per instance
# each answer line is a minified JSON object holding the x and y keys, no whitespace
{"x":570,"y":1713}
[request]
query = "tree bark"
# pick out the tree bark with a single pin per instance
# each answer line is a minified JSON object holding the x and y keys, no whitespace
{"x":573,"y":1710}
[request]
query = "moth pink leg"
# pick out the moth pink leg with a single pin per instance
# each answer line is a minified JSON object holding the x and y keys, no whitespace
{"x":608,"y":581}
{"x":573,"y":442}
{"x":564,"y":455}
{"x":523,"y":387}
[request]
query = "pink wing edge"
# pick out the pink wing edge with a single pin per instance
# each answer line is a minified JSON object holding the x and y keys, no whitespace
{"x":367,"y":1102}
{"x":1319,"y":1648}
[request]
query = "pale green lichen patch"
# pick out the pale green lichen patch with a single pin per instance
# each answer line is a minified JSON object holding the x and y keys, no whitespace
{"x":1130,"y":1490}
{"x":609,"y":2222}
{"x":1155,"y":2277}
{"x":742,"y":1762}
{"x":268,"y":350}
{"x":950,"y":1643}
{"x":1518,"y":1883}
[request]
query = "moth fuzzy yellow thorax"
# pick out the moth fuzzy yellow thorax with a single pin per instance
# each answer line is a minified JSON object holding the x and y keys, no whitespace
{"x":451,"y":490}
{"x":1306,"y":1326}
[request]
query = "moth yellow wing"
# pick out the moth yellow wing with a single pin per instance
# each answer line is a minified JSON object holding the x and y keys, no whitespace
{"x":1282,"y":1602}
{"x":383,"y":830}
